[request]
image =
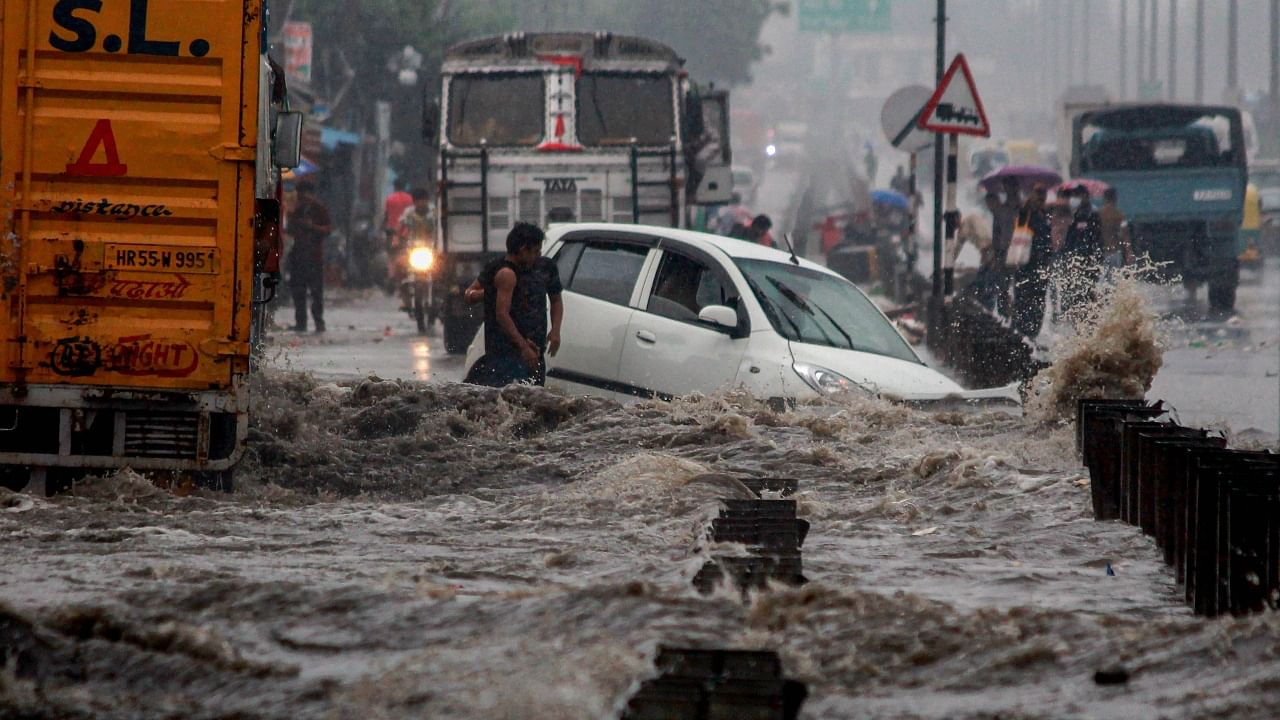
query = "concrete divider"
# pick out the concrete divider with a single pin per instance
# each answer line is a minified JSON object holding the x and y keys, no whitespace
{"x":702,"y":684}
{"x":1213,"y":511}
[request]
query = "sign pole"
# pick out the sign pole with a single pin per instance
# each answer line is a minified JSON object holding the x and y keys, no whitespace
{"x":952,"y":217}
{"x":938,"y":141}
{"x":913,"y":233}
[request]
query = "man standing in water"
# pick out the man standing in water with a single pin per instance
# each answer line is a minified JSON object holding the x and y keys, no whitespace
{"x":516,"y":291}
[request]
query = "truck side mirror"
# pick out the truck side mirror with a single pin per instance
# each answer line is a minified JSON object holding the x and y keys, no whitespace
{"x":287,"y":150}
{"x":430,"y":117}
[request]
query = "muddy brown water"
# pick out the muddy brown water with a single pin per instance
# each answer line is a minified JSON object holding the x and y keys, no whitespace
{"x":400,"y":550}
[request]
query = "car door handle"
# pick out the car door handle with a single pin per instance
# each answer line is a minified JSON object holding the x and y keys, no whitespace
{"x":645,"y":336}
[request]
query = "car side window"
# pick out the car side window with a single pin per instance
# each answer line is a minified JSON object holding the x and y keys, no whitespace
{"x":567,"y":260}
{"x":608,"y":271}
{"x":684,"y":286}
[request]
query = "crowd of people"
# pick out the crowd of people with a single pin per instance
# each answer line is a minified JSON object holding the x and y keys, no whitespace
{"x":1032,"y":245}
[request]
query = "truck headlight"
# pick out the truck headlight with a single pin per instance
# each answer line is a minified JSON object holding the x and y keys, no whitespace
{"x":828,"y":382}
{"x":421,"y":259}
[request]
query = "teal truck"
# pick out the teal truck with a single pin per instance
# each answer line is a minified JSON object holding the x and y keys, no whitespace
{"x":1181,"y":173}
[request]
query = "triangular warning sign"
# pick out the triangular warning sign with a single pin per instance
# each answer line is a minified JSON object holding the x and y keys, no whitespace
{"x":955,"y":107}
{"x":101,"y":137}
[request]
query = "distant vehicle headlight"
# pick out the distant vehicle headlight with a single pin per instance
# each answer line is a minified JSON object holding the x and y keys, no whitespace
{"x":771,"y":150}
{"x":829,"y":382}
{"x":421,"y":259}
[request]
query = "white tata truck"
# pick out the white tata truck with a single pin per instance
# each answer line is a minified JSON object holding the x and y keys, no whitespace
{"x":564,"y":127}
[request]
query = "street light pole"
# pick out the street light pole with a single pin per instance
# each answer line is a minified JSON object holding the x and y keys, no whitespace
{"x":1200,"y":51}
{"x":1173,"y":50}
{"x":1142,"y":46}
{"x":1233,"y":37}
{"x":1124,"y":49}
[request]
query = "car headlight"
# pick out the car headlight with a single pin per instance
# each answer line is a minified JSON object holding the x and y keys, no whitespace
{"x":421,"y":259}
{"x":829,"y":382}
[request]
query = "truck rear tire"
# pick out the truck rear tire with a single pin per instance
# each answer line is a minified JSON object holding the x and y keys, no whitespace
{"x":1222,"y":289}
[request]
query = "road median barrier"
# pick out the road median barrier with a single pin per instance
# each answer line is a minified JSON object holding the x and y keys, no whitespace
{"x":1213,"y":511}
{"x":700,"y":684}
{"x":770,"y":534}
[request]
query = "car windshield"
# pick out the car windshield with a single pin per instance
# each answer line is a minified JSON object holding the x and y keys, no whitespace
{"x":814,"y":307}
{"x":498,"y":108}
{"x":614,"y":108}
{"x":1153,"y":138}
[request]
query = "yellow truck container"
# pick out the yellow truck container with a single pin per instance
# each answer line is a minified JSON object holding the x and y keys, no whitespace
{"x":131,"y":192}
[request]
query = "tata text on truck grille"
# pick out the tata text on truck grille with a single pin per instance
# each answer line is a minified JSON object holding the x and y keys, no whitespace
{"x":139,"y":220}
{"x":558,"y":127}
{"x":1181,"y":172}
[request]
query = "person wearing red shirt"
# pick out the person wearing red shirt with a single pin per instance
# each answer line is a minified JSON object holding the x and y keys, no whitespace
{"x":394,"y":206}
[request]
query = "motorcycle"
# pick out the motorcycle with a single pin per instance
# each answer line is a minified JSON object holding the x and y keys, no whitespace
{"x":416,"y":288}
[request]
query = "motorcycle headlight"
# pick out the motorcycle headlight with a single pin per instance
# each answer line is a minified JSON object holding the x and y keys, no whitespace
{"x":828,"y":382}
{"x":421,"y":259}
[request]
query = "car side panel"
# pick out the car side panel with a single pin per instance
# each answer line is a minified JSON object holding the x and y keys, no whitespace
{"x":590,"y":346}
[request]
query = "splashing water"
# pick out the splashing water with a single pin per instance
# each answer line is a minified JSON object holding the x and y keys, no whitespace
{"x":1115,"y":351}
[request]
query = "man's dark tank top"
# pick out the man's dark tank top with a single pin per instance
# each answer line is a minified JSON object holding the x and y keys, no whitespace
{"x":496,"y":342}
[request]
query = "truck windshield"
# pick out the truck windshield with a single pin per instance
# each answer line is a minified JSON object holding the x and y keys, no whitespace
{"x":1159,"y":138}
{"x":613,"y":108}
{"x":818,"y":308}
{"x":499,"y":108}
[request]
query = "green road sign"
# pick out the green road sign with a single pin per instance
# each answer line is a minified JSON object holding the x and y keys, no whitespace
{"x":846,"y":16}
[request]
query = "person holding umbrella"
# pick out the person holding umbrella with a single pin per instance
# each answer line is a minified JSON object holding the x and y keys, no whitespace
{"x":1031,"y":280}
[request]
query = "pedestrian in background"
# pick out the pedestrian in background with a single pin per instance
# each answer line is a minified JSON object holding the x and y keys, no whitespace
{"x":757,"y":232}
{"x":990,"y":283}
{"x":1004,"y":215}
{"x":1082,"y":253}
{"x":1031,"y":279}
{"x":900,"y":183}
{"x":309,"y":227}
{"x":1116,"y":246}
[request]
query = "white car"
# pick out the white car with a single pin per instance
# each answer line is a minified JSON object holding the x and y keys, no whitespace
{"x":659,"y":312}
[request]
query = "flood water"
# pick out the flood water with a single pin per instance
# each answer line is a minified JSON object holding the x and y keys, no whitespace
{"x":409,"y":550}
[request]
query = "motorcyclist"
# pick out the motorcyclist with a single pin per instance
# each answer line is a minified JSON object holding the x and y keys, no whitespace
{"x":417,"y":228}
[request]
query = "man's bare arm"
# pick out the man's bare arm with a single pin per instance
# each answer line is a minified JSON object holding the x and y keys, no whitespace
{"x":557,"y":315}
{"x":475,"y":293}
{"x":505,"y":284}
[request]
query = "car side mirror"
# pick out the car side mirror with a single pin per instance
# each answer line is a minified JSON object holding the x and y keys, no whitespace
{"x":721,"y":316}
{"x":287,"y":151}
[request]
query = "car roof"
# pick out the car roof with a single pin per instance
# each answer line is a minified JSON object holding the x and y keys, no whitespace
{"x":706,"y":242}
